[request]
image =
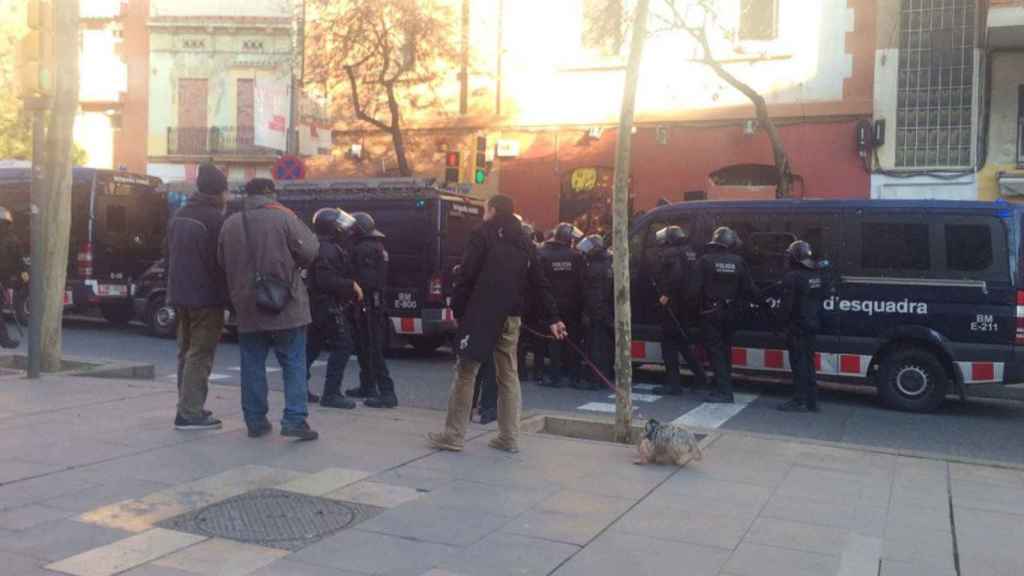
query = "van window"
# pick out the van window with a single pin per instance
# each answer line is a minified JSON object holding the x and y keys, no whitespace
{"x":117,"y":219}
{"x":895,"y":246}
{"x":968,"y":247}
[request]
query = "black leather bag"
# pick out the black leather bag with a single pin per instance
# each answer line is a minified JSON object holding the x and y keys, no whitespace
{"x":272,"y":294}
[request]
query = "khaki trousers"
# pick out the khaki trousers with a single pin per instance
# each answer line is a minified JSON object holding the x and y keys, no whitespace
{"x":460,"y":399}
{"x":198,"y":334}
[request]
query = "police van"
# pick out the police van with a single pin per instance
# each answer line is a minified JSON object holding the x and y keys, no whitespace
{"x":118,"y":222}
{"x":926,"y":298}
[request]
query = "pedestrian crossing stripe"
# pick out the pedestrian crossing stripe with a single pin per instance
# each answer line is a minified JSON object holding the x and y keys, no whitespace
{"x":640,"y":397}
{"x":604,"y":407}
{"x":214,"y":377}
{"x":711,"y":416}
{"x":270,"y":369}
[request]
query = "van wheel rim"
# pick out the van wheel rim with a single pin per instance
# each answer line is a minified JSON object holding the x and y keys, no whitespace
{"x":164,"y":316}
{"x":912,"y":381}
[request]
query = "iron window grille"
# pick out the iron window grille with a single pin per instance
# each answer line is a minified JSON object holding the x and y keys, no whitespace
{"x":935,"y":108}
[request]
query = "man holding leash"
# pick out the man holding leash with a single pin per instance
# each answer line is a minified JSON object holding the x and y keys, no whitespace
{"x":500,"y":266}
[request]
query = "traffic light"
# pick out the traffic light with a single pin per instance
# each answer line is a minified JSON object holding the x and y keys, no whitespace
{"x":451,"y":168}
{"x":35,"y":52}
{"x":480,"y":174}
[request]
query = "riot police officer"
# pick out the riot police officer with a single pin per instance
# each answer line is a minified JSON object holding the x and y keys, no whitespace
{"x":598,"y":307}
{"x":802,"y":293}
{"x":563,"y":266}
{"x":725,"y":282}
{"x":528,"y":342}
{"x":677,"y":285}
{"x":10,"y":267}
{"x":370,"y":265}
{"x":331,"y":290}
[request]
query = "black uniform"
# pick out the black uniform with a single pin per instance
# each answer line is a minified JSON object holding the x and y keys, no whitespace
{"x":563,"y":267}
{"x":678,"y":279}
{"x":486,"y":392}
{"x":599,"y":314}
{"x":725,"y":281}
{"x":802,"y":293}
{"x":330,"y":292}
{"x":370,"y":265}
{"x":10,"y":267}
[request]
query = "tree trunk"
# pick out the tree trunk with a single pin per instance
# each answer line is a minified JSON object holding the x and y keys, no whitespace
{"x":620,"y":235}
{"x":397,"y":139}
{"x":55,"y":206}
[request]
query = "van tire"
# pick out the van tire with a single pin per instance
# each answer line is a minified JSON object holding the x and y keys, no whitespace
{"x":912,"y":379}
{"x":160,"y":318}
{"x":118,"y":314}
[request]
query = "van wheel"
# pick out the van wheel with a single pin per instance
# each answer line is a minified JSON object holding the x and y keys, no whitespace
{"x":161,"y":318}
{"x":118,"y":314}
{"x":913,"y":379}
{"x":426,"y":345}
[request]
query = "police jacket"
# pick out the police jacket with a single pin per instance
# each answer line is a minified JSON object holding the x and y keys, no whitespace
{"x":724,"y":278}
{"x":499,"y":269}
{"x":10,"y":257}
{"x":194,"y":277}
{"x":370,"y":265}
{"x":678,"y":279}
{"x":563,"y":266}
{"x":802,"y":293}
{"x":599,"y":289}
{"x":330,"y":280}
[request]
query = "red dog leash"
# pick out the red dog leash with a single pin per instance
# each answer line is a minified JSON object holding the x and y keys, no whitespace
{"x":584,"y":357}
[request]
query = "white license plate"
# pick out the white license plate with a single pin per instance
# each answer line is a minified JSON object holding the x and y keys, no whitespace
{"x":111,"y":290}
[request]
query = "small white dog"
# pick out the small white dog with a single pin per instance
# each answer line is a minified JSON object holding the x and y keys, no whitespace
{"x":667,"y":444}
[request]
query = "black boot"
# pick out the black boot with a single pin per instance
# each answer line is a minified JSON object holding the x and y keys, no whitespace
{"x":382,"y":401}
{"x":360,"y":392}
{"x":312,"y":398}
{"x":337,"y":401}
{"x":6,"y":341}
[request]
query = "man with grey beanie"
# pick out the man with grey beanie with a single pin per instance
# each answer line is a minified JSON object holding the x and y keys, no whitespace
{"x":197,"y":289}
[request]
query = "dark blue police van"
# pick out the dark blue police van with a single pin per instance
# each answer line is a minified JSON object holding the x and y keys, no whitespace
{"x":926,"y":297}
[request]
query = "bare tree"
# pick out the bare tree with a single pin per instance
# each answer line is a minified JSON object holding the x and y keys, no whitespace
{"x":696,"y":18}
{"x":379,"y":60}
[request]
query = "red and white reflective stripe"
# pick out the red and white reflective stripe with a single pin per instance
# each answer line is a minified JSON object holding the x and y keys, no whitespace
{"x":447,"y":315}
{"x":771,"y":360}
{"x":407,"y":325}
{"x":646,"y":351}
{"x":978,"y":372}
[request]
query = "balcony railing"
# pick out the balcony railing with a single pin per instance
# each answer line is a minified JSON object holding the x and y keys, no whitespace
{"x":216,"y":140}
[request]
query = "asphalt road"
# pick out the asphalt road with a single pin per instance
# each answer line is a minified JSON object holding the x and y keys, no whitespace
{"x":981,"y":428}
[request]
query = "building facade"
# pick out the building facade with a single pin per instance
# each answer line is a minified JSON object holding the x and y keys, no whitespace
{"x":949,"y":100}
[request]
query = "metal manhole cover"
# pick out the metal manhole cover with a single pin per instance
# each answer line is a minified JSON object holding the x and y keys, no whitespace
{"x":272,"y":518}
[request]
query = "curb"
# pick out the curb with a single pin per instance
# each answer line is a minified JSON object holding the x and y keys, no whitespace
{"x":77,"y":367}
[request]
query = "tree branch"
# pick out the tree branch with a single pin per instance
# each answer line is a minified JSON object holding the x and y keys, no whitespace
{"x":357,"y":107}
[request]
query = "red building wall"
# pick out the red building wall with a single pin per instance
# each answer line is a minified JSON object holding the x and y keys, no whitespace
{"x":823,"y":153}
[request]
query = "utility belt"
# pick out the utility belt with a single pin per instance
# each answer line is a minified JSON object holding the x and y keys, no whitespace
{"x":717,"y":305}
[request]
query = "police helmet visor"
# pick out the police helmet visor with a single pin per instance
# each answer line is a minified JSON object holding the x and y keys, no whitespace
{"x":590,"y":245}
{"x":345,"y":221}
{"x":5,"y":216}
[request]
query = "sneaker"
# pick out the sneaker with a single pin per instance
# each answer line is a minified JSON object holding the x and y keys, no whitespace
{"x":793,"y":405}
{"x":499,"y":444}
{"x":389,"y":401}
{"x":337,"y":401}
{"x":202,"y":423}
{"x":360,"y":392}
{"x":486,"y":417}
{"x":301,"y":432}
{"x":261,"y":429}
{"x":719,"y":398}
{"x":442,"y":442}
{"x":668,"y":391}
{"x":312,"y":398}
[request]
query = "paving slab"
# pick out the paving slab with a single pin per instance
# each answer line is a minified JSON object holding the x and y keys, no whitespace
{"x":26,"y":517}
{"x":498,"y":500}
{"x":125,"y":554}
{"x":60,"y":539}
{"x":798,"y":536}
{"x":759,"y":560}
{"x":614,"y":554}
{"x":429,"y":522}
{"x":325,"y":481}
{"x":376,"y":494}
{"x":718,"y":529}
{"x":372,"y":553}
{"x":569,"y":517}
{"x":217,"y":557}
{"x":916,"y":568}
{"x":288,"y":567}
{"x":509,"y":555}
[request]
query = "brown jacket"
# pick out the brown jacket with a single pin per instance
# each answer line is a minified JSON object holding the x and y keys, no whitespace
{"x":281,"y":245}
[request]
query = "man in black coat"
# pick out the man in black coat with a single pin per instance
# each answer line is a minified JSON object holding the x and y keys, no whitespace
{"x":499,"y":268}
{"x":10,"y":267}
{"x":598,"y":308}
{"x":563,"y":266}
{"x":370,"y":262}
{"x":725,"y":283}
{"x":331,"y":290}
{"x":677,"y":284}
{"x":197,"y":288}
{"x":803,"y":289}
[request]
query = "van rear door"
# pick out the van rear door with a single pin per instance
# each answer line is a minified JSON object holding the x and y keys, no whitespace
{"x":130,"y":221}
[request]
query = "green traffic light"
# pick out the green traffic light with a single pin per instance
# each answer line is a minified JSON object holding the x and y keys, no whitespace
{"x":480,"y":176}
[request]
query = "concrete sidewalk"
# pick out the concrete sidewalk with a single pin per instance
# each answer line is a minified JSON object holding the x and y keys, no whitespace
{"x":95,"y":482}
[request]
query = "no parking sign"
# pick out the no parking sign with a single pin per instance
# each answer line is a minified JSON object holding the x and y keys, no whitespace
{"x":289,"y":168}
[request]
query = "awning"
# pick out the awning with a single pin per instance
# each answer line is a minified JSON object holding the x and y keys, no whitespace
{"x":1011,"y":184}
{"x":1006,"y":27}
